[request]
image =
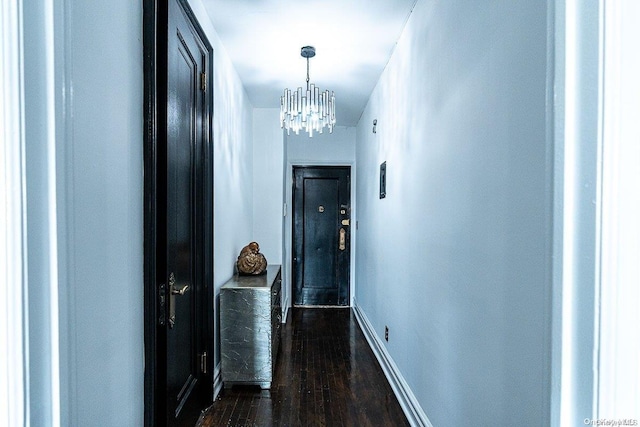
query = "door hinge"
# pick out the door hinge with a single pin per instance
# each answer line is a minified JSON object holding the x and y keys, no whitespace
{"x":203,"y":362}
{"x":203,"y":81}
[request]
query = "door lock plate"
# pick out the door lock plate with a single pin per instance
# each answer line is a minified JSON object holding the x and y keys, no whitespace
{"x":172,"y":301}
{"x":162,"y":303}
{"x":173,"y":293}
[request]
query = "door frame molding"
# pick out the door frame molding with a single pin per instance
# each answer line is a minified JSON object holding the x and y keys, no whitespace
{"x":287,"y":254}
{"x":287,"y":277}
{"x":155,"y":32}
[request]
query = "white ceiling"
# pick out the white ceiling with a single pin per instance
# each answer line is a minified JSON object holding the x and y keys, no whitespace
{"x":353,"y":39}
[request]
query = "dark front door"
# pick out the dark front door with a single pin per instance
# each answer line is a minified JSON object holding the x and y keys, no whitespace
{"x":321,"y":235}
{"x":179,"y":237}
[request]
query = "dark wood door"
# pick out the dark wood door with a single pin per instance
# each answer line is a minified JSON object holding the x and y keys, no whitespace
{"x":321,"y":235}
{"x":185,"y":275}
{"x":178,"y":235}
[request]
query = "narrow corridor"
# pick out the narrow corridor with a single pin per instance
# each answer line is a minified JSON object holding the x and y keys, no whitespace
{"x":326,"y":375}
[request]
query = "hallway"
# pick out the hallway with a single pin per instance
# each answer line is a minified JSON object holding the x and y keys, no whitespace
{"x":494,"y":271}
{"x":326,"y":375}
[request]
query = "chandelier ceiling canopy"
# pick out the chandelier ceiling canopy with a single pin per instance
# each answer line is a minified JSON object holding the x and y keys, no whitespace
{"x":309,"y":110}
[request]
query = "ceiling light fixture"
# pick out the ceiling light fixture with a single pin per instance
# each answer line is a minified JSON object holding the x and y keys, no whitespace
{"x":311,"y":110}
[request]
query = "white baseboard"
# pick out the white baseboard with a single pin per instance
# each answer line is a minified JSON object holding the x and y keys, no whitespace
{"x":412,"y":409}
{"x":217,"y":381}
{"x":286,"y":306}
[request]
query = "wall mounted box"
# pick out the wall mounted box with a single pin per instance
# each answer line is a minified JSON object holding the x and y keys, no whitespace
{"x":250,"y":322}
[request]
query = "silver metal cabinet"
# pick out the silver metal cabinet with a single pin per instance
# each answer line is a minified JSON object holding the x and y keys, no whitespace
{"x":250,"y":322}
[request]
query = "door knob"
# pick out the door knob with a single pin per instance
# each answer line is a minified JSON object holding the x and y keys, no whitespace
{"x":180,"y":291}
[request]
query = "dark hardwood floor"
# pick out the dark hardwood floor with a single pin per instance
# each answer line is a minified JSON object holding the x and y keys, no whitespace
{"x":326,"y":375}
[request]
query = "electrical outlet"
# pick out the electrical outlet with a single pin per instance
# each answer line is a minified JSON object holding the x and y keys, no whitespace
{"x":386,"y":333}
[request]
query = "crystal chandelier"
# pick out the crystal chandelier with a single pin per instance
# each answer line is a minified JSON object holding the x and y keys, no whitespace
{"x":311,"y":110}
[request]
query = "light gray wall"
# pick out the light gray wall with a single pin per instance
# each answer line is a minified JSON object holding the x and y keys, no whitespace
{"x":577,"y":210}
{"x":41,"y":227}
{"x":268,"y":159}
{"x":101,"y":216}
{"x":456,"y":259}
{"x":325,"y":148}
